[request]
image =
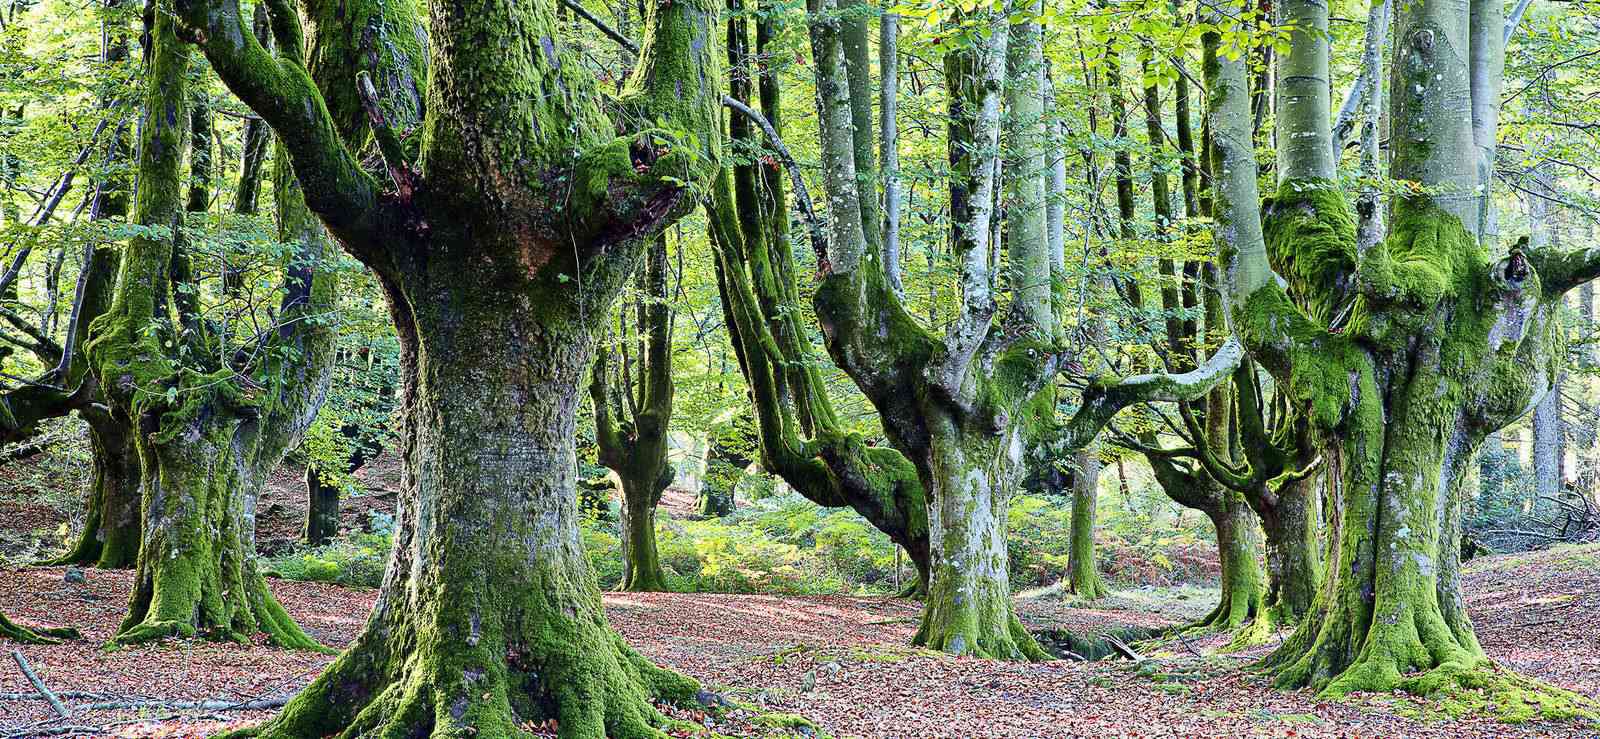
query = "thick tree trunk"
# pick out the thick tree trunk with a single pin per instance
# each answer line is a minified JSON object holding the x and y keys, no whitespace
{"x":110,"y":537}
{"x":196,"y":571}
{"x":969,"y":611}
{"x":489,"y":616}
{"x":322,"y":508}
{"x":1083,"y":574}
{"x":1294,"y":547}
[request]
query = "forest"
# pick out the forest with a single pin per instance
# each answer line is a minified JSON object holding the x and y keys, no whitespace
{"x":705,"y":368}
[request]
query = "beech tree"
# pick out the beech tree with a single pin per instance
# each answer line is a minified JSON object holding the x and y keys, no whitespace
{"x":631,"y":419}
{"x":801,"y":437}
{"x":511,"y":214}
{"x":212,"y":419}
{"x":1401,"y":355}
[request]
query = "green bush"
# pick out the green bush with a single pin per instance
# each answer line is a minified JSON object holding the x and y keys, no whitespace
{"x":356,"y":561}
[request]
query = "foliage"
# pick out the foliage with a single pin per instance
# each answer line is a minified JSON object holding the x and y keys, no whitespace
{"x":355,"y":561}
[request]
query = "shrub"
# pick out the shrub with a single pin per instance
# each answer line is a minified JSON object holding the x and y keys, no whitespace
{"x":356,"y":561}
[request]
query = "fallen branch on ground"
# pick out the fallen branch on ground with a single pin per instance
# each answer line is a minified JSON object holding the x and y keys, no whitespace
{"x":55,"y":703}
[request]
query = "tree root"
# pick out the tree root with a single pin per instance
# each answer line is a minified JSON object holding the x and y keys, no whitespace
{"x":35,"y":635}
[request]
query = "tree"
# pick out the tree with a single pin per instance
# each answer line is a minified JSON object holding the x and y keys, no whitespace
{"x":1402,"y":356}
{"x":631,"y":419}
{"x":212,"y":419}
{"x":802,"y":439}
{"x":501,"y":236}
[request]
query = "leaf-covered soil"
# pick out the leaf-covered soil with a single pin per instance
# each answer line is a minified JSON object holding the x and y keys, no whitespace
{"x":842,"y":662}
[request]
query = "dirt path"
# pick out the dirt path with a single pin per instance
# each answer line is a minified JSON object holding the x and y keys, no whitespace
{"x":842,"y":662}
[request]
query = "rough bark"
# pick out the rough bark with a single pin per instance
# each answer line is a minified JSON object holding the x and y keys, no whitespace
{"x":500,"y":253}
{"x":1442,"y":345}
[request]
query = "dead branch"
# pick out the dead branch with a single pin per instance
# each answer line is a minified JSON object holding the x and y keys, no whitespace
{"x":27,"y":671}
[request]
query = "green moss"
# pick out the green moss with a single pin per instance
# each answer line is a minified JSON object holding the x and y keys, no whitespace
{"x":1311,"y":241}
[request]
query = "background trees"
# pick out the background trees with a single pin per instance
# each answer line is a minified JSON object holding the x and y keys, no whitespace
{"x":995,"y":258}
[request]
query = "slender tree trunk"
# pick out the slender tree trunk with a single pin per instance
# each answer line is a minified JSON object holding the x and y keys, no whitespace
{"x":322,"y":508}
{"x":1082,"y":566}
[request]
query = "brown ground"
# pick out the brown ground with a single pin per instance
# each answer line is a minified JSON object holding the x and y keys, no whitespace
{"x":841,"y":662}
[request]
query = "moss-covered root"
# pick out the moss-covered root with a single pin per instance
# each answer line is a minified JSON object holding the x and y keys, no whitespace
{"x":1483,"y":688}
{"x":33,"y":635}
{"x":976,"y":624}
{"x":571,"y":672}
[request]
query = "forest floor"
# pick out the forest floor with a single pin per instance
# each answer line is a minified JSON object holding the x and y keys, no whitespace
{"x":841,"y":662}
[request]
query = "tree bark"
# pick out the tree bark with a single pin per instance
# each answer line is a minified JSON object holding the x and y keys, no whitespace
{"x":489,"y":617}
{"x":1083,"y":570}
{"x":322,"y":508}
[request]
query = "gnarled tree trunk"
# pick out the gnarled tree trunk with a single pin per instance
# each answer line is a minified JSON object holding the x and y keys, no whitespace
{"x":501,"y":248}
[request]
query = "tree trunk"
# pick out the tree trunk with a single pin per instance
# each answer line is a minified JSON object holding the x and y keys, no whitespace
{"x":501,"y":253}
{"x":969,"y":609}
{"x":1294,"y":547}
{"x":641,"y":563}
{"x":489,"y":615}
{"x":110,"y":537}
{"x":322,"y":508}
{"x":1082,"y":567}
{"x":1243,"y":599}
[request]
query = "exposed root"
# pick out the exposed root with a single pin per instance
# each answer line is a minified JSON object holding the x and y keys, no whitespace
{"x":33,"y":635}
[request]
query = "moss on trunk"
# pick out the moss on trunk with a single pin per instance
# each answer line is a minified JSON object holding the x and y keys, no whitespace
{"x":1083,"y":570}
{"x":111,"y":528}
{"x":33,"y":635}
{"x":969,"y":610}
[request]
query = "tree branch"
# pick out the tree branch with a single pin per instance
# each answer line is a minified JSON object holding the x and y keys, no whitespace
{"x":281,"y":91}
{"x":1102,"y":401}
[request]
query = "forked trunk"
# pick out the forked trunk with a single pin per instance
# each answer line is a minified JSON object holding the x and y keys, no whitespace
{"x":197,"y":568}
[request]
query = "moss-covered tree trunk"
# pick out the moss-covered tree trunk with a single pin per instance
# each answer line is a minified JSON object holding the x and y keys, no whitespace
{"x":206,"y":435}
{"x":501,"y":246}
{"x":632,"y":435}
{"x":1401,"y":358}
{"x":1293,"y":526}
{"x":800,"y":436}
{"x":1083,"y":573}
{"x":969,"y":607}
{"x":1243,"y":585}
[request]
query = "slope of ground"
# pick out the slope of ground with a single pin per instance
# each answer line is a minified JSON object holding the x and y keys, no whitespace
{"x":838,"y":661}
